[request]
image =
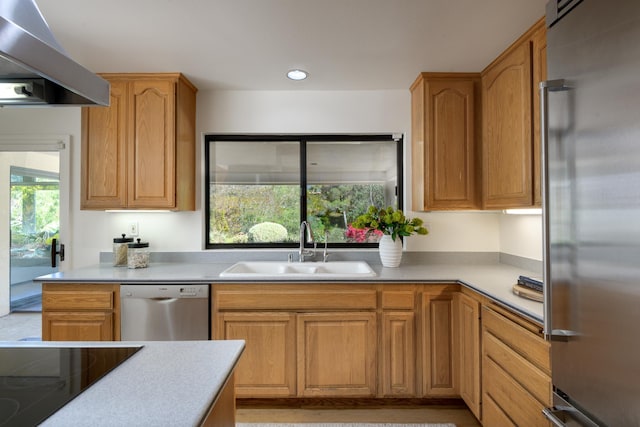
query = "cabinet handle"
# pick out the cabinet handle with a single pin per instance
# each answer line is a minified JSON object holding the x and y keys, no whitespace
{"x":545,"y":88}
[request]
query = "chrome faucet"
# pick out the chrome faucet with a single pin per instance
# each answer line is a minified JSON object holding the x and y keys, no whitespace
{"x":309,"y":238}
{"x":325,"y":254}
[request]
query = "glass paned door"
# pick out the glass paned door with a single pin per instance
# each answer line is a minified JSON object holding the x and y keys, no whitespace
{"x":35,"y":222}
{"x":34,"y":200}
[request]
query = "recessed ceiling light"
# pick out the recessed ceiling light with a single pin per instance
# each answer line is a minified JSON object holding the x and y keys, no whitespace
{"x":297,"y":74}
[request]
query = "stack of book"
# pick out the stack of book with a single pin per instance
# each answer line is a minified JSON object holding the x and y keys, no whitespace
{"x":528,"y":287}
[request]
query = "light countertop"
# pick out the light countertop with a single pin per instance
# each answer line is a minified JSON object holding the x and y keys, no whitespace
{"x":165,"y":383}
{"x":490,"y":278}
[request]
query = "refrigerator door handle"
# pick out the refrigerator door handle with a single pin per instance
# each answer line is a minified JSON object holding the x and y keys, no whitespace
{"x":550,"y":413}
{"x":546,"y":87}
{"x":562,"y":335}
{"x":563,"y":414}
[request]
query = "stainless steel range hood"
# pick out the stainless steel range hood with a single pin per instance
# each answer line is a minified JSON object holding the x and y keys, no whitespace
{"x":34,"y":68}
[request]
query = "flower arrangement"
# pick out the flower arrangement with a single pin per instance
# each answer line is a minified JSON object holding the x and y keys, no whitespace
{"x":389,"y":221}
{"x":362,"y":235}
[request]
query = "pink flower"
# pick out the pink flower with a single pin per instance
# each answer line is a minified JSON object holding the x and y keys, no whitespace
{"x":362,"y":235}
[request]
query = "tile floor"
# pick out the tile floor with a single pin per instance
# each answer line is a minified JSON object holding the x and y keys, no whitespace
{"x":21,"y":326}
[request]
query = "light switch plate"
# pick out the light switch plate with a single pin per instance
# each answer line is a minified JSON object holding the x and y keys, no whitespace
{"x":133,"y":228}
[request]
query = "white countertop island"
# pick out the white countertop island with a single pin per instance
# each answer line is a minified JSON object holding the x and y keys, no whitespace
{"x":172,"y":383}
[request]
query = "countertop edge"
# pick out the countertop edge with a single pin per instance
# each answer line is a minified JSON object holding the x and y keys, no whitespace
{"x":493,"y":280}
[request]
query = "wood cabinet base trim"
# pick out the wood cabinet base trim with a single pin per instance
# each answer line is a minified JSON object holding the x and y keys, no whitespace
{"x":335,"y":403}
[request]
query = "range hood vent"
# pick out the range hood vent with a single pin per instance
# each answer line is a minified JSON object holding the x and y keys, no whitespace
{"x":34,"y":68}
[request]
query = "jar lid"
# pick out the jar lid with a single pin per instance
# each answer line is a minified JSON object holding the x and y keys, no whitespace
{"x":122,"y":239}
{"x":139,"y":244}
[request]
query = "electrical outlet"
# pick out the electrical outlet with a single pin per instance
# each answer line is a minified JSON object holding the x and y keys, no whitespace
{"x":133,"y":228}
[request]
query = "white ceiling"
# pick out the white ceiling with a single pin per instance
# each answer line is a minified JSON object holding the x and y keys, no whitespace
{"x":250,"y":44}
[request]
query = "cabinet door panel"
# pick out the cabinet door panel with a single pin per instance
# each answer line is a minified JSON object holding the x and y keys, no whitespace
{"x":152,"y":153}
{"x":451,"y":145}
{"x":71,"y":326}
{"x":443,"y":143}
{"x":267,"y":366}
{"x":438,"y":335}
{"x":104,"y":183}
{"x":337,"y":354}
{"x":398,"y":354}
{"x":468,"y":328}
{"x":507,"y":139}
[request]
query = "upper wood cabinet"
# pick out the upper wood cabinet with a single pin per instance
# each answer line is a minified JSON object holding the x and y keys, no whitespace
{"x":510,"y":162}
{"x":444,"y":125}
{"x":139,"y":153}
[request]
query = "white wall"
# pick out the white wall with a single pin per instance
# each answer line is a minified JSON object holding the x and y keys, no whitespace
{"x":255,"y":112}
{"x":521,"y":235}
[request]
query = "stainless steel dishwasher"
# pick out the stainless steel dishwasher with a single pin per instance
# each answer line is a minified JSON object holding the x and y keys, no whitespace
{"x":164,"y":312}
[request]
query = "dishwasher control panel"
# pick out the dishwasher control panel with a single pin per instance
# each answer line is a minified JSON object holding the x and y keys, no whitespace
{"x":191,"y":291}
{"x":157,"y":290}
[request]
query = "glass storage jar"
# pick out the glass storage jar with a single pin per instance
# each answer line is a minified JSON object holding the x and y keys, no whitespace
{"x":138,"y":254}
{"x":120,"y":246}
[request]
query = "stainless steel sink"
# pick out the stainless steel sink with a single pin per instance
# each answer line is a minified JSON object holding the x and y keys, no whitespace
{"x":332,"y":269}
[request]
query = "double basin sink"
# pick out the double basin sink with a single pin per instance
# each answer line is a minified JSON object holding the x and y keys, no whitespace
{"x":283,"y":269}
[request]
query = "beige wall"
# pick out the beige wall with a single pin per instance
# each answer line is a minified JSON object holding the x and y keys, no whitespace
{"x":265,"y":111}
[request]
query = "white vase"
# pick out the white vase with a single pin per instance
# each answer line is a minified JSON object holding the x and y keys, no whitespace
{"x":390,"y":251}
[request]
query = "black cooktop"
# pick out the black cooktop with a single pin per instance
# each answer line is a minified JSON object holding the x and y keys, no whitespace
{"x":37,"y":381}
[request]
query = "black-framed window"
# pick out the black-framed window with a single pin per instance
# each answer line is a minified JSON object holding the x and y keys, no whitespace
{"x":259,"y":188}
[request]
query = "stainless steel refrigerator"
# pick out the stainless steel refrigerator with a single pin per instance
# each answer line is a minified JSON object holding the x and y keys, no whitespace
{"x":590,"y":110}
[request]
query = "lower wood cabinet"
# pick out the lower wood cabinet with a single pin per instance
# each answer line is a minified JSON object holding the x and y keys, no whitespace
{"x":80,"y":312}
{"x":268,"y":365}
{"x":516,"y":370}
{"x":353,"y":340}
{"x":398,"y":341}
{"x":439,"y":370}
{"x":337,"y":354}
{"x":301,"y":341}
{"x":468,"y":356}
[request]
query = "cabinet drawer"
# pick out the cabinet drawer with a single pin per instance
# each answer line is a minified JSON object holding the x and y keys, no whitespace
{"x":510,"y":397}
{"x":492,"y":415}
{"x":307,"y":297}
{"x":78,"y":326}
{"x":526,"y":374}
{"x":78,"y":300}
{"x":529,"y":345}
{"x":398,"y":300}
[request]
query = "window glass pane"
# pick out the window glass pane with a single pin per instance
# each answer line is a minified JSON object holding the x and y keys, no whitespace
{"x":343,"y":179}
{"x":254,"y":192}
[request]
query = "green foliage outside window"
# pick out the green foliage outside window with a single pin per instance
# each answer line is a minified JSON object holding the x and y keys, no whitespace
{"x":34,"y":219}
